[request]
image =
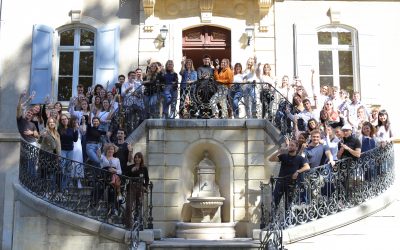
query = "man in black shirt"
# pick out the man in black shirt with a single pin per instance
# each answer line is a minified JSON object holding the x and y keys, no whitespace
{"x":205,"y":87}
{"x":124,"y":153}
{"x":26,"y":127}
{"x":291,"y":166}
{"x":28,"y":132}
{"x":93,"y":141}
{"x":118,"y":85}
{"x":351,"y":146}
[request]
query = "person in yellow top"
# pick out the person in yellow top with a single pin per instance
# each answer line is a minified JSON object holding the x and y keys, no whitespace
{"x":224,"y":76}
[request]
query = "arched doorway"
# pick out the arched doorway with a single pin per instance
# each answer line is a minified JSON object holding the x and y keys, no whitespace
{"x":202,"y":40}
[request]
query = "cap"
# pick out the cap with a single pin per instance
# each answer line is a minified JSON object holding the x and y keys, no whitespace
{"x":347,"y":127}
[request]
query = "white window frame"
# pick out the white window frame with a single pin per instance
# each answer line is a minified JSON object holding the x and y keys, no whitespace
{"x":335,"y":48}
{"x":76,"y":49}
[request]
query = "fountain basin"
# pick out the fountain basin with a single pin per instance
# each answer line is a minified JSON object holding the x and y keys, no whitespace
{"x":206,"y":202}
{"x":206,"y":231}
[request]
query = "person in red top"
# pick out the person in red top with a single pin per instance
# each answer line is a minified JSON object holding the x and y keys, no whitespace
{"x":224,"y":76}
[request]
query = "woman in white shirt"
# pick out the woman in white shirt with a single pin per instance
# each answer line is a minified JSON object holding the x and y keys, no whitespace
{"x":284,"y":88}
{"x":384,"y":132}
{"x":249,"y":89}
{"x":105,"y":115}
{"x":267,"y":94}
{"x":112,"y":164}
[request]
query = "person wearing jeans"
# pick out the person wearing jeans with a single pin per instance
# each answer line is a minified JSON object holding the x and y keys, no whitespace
{"x":153,"y":88}
{"x":170,"y":91}
{"x":236,"y":90}
{"x":68,"y":135}
{"x":93,"y":141}
{"x":224,"y":77}
{"x":249,"y":89}
{"x":189,"y":76}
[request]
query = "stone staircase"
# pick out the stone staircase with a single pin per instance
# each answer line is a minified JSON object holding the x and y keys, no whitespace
{"x":80,"y":201}
{"x":183,"y":244}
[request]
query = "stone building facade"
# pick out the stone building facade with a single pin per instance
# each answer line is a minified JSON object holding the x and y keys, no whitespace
{"x":51,"y":45}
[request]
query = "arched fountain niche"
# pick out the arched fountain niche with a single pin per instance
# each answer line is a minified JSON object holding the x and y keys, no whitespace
{"x":218,"y":154}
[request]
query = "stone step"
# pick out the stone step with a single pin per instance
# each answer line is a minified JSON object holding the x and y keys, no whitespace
{"x":183,"y":244}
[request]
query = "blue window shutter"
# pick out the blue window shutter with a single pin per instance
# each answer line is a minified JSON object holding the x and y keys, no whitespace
{"x":107,"y":55}
{"x":370,"y":81}
{"x":307,"y":52}
{"x":41,"y":67}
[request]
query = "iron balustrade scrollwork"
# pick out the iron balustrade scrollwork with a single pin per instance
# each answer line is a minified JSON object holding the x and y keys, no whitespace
{"x":272,"y":238}
{"x":198,"y":100}
{"x":150,"y":206}
{"x":85,"y":189}
{"x":323,"y":191}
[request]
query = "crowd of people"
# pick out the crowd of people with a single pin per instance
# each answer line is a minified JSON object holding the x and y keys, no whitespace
{"x":344,"y":129}
{"x":69,"y":139}
{"x":213,"y":90}
{"x":326,"y":126}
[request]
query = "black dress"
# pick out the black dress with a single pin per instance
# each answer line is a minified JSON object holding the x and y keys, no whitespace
{"x":134,"y":194}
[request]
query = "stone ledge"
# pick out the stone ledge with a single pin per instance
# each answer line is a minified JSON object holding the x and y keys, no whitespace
{"x":181,"y":243}
{"x":137,"y":134}
{"x":10,"y":137}
{"x":205,"y":123}
{"x":67,"y":217}
{"x":338,"y":220}
{"x":206,"y":231}
{"x":157,"y":234}
{"x":273,"y":132}
{"x":147,"y":236}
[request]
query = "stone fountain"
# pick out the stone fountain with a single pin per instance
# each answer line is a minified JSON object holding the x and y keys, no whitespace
{"x":206,"y":202}
{"x":206,"y":199}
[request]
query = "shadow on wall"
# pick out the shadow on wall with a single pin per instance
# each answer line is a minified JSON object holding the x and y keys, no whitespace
{"x":15,"y":78}
{"x":126,"y":9}
{"x":129,"y":9}
{"x":222,"y":159}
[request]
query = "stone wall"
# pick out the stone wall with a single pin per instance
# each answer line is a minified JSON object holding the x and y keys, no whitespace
{"x":39,"y":225}
{"x":9,"y":155}
{"x":238,"y":148}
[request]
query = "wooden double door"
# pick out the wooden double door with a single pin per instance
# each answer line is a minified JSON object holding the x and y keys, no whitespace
{"x":210,"y":40}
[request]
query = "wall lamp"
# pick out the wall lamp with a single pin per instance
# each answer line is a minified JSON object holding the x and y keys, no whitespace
{"x":249,"y":32}
{"x":163,"y":34}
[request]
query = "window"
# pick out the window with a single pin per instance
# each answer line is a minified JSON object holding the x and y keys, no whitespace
{"x":85,"y":55}
{"x":75,"y":61}
{"x":337,"y":58}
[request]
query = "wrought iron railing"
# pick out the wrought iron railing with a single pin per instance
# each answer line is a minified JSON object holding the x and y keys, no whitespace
{"x":323,"y":191}
{"x":86,"y":190}
{"x":205,"y":100}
